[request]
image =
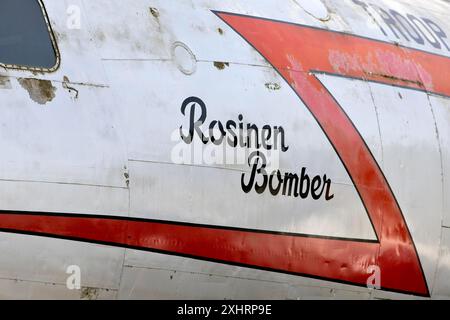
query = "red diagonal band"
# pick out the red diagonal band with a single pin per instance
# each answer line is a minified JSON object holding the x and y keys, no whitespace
{"x":297,"y":52}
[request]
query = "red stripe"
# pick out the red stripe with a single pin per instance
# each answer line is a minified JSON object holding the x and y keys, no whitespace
{"x":299,"y":51}
{"x":295,"y":51}
{"x":269,"y":251}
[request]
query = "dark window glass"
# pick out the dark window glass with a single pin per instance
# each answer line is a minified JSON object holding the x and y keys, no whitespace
{"x":25,"y":39}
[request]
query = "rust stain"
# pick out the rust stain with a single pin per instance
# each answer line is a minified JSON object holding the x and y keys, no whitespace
{"x":5,"y":83}
{"x":392,"y":78}
{"x":40,"y":91}
{"x":89,"y":293}
{"x":221,"y":65}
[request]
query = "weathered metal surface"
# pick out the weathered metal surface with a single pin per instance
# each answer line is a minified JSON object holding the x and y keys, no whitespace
{"x":97,"y":142}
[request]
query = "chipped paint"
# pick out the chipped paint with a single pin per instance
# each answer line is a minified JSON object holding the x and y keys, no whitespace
{"x":273,"y":86}
{"x":315,"y":8}
{"x":40,"y":91}
{"x":126,"y":175}
{"x":221,"y":65}
{"x":154,"y":12}
{"x":381,"y":63}
{"x":65,"y":84}
{"x":88,"y":293}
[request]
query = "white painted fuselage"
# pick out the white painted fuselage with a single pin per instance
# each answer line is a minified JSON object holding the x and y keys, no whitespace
{"x":111,"y":132}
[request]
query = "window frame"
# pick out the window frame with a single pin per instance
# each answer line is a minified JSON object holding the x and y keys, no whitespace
{"x":54,"y":45}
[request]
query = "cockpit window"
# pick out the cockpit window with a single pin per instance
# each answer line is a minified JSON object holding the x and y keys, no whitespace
{"x":26,"y":39}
